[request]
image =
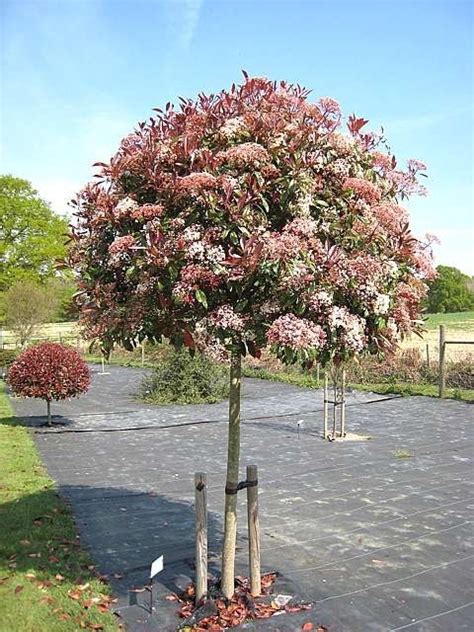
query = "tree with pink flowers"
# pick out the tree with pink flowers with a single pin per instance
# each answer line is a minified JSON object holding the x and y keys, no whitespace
{"x":251,"y":218}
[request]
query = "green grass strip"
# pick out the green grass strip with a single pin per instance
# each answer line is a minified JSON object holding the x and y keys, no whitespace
{"x":47,"y":582}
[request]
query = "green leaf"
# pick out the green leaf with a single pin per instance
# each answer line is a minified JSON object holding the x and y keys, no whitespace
{"x":201,"y":298}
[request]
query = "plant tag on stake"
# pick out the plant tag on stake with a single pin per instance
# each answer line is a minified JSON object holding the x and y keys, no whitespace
{"x":156,"y":567}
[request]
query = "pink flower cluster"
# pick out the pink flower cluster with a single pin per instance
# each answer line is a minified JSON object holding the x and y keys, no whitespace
{"x":244,"y":155}
{"x":363,"y":188}
{"x":147,"y":212}
{"x":296,"y":333}
{"x":195,"y":183}
{"x":224,"y":317}
{"x":122,"y":244}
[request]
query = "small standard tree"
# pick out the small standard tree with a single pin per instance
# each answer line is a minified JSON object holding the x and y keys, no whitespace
{"x":246,"y":219}
{"x":49,"y":371}
{"x":28,"y":306}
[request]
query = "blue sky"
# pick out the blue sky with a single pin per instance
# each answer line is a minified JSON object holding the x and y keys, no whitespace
{"x":77,"y":75}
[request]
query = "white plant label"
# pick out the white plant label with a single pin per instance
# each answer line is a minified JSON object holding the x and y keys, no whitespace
{"x":156,"y":566}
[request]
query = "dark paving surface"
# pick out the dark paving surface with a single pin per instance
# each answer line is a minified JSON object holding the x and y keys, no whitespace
{"x":379,"y":542}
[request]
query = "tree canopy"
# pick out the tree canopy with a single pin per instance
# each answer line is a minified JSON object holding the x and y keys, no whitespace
{"x":249,"y":218}
{"x":32,"y":236}
{"x":449,"y":291}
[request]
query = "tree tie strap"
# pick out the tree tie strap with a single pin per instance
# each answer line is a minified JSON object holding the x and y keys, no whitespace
{"x":233,"y":489}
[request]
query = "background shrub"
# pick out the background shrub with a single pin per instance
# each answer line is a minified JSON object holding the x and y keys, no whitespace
{"x":180,"y":378}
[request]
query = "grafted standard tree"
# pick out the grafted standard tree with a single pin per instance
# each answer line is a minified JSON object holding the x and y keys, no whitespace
{"x":49,"y":371}
{"x":250,"y":218}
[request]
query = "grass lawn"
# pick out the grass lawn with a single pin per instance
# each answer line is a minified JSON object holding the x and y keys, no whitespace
{"x":47,"y":583}
{"x":401,"y":388}
{"x":456,"y":320}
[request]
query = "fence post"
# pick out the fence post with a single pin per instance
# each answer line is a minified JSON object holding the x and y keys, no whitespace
{"x":143,"y":352}
{"x":254,"y":530}
{"x":442,"y":361}
{"x":427,"y":355}
{"x":343,"y":404}
{"x":200,"y":483}
{"x":325,"y":406}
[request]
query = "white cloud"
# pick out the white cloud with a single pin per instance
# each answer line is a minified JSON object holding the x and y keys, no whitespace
{"x":184,"y":18}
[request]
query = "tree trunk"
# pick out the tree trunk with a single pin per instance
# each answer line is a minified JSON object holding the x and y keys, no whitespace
{"x":48,"y":408}
{"x":233,"y":456}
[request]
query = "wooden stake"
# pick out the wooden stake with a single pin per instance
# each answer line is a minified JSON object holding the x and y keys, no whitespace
{"x":200,"y":491}
{"x":442,"y":361}
{"x":325,"y":404}
{"x":143,"y":353}
{"x":427,"y":355}
{"x":334,"y":419}
{"x":254,"y":530}
{"x":343,"y":404}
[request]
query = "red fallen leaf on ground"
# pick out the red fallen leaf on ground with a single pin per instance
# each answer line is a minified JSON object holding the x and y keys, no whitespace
{"x":171,"y":598}
{"x":48,"y":600}
{"x":306,"y":627}
{"x":53,"y":559}
{"x":297,"y":607}
{"x":64,"y":616}
{"x":74,"y":594}
{"x":18,"y":589}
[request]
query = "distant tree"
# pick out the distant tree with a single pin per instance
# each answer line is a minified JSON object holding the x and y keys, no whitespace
{"x":32,"y":237}
{"x":449,"y":291}
{"x":63,"y":289}
{"x":27,"y":306}
{"x":49,"y":371}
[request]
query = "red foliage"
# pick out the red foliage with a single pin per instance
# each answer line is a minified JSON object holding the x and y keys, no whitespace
{"x":49,"y":371}
{"x":241,"y":608}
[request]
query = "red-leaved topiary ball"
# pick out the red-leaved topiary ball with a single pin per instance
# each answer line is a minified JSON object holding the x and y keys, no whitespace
{"x":49,"y":371}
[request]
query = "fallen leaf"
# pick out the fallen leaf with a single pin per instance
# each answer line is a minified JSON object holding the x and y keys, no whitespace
{"x":30,"y":576}
{"x":115,"y":575}
{"x":25,"y":542}
{"x":306,"y":627}
{"x":18,"y":589}
{"x":59,"y":577}
{"x":74,"y":594}
{"x":53,"y":559}
{"x":64,"y":616}
{"x":171,"y":598}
